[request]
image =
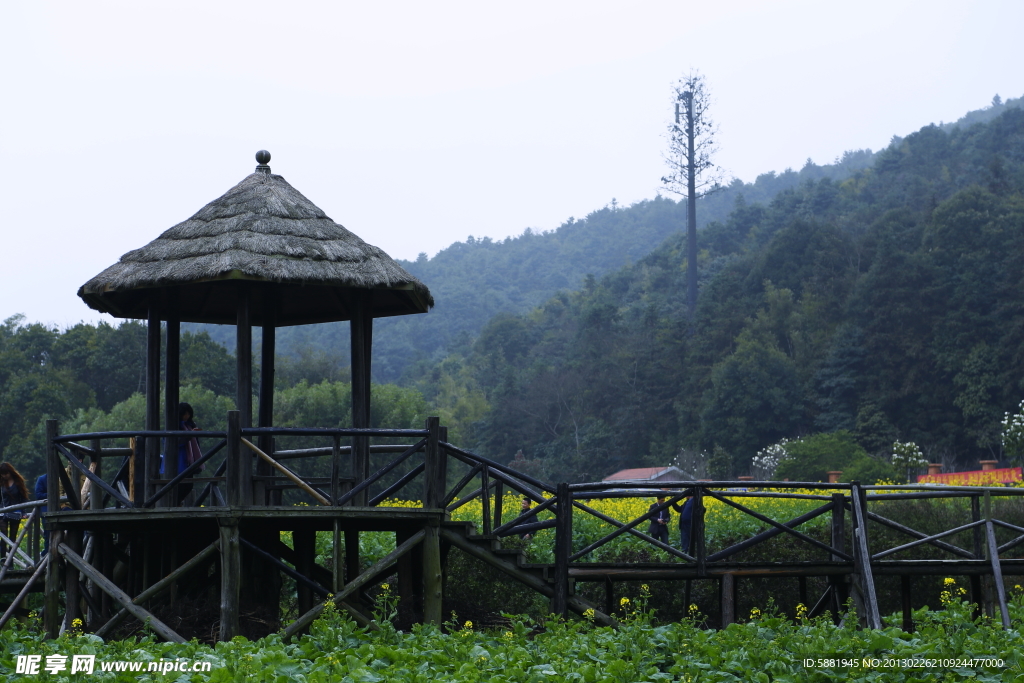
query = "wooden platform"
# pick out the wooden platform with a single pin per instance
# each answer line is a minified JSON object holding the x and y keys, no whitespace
{"x":271,"y":518}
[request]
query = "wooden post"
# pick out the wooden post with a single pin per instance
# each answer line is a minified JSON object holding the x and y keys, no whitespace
{"x":151,"y":467}
{"x":51,"y":597}
{"x":499,"y":495}
{"x":305,"y":554}
{"x":361,"y":329}
{"x":234,"y":458}
{"x":73,"y":539}
{"x":433,"y":588}
{"x":563,"y":549}
{"x":908,"y":603}
{"x":406,"y":577}
{"x":352,"y":566}
{"x":485,"y":501}
{"x":335,"y":470}
{"x":230,"y":577}
{"x":728,"y":588}
{"x":609,"y":595}
{"x":697,"y":541}
{"x":433,"y":485}
{"x":337,"y":563}
{"x":99,"y":545}
{"x":243,"y":387}
{"x":840,"y":589}
{"x":172,"y":381}
{"x":268,"y":351}
{"x":977,"y":591}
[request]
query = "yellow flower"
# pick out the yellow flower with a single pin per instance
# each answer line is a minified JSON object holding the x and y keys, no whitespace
{"x":386,"y":587}
{"x":468,"y":625}
{"x":755,"y":613}
{"x":589,"y":614}
{"x":948,"y":581}
{"x":645,"y":588}
{"x":623,"y":602}
{"x":76,"y":623}
{"x":508,"y":635}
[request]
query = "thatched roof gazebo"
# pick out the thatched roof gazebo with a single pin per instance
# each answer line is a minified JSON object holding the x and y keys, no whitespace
{"x":260,"y":254}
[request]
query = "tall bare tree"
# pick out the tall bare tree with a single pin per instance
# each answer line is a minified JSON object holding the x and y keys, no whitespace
{"x":692,"y":170}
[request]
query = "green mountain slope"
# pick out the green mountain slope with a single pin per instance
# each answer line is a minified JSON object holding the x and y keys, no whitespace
{"x":890,"y":304}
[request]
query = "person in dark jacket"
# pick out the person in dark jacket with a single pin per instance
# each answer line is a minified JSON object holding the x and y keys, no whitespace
{"x":526,"y":516}
{"x":659,"y":523}
{"x":12,"y":492}
{"x":685,"y":523}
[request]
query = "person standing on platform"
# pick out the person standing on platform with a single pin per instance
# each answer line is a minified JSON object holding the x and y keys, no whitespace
{"x":188,"y":449}
{"x":659,"y":523}
{"x":685,"y":523}
{"x":12,"y":492}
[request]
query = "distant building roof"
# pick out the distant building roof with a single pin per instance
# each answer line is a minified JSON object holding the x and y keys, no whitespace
{"x":647,"y":473}
{"x":997,"y":477}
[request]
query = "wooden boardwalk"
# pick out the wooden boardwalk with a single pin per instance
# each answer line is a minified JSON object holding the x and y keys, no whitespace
{"x":120,"y":551}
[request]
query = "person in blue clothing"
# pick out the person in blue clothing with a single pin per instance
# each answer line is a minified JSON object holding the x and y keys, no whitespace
{"x":685,"y":523}
{"x":659,"y":523}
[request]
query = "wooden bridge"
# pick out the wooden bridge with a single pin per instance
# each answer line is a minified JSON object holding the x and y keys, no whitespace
{"x":124,"y":550}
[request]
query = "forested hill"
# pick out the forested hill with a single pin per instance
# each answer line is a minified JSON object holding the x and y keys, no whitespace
{"x":889,"y":305}
{"x":474,"y":280}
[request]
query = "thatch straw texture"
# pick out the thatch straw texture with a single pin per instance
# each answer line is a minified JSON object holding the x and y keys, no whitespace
{"x":261,"y":230}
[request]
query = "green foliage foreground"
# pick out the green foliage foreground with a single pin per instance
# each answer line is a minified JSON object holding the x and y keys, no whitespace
{"x":765,"y":648}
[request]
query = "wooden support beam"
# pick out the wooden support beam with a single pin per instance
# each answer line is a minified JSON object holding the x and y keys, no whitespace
{"x":433,"y":462}
{"x":120,"y":596}
{"x":172,"y":381}
{"x":43,"y":564}
{"x":906,"y":598}
{"x":151,"y":448}
{"x":697,"y":537}
{"x":778,"y":525}
{"x":233,"y":459}
{"x":450,"y":496}
{"x":563,"y":551}
{"x":71,"y":580}
{"x":305,"y":556}
{"x":16,"y":546}
{"x":357,"y":583}
{"x":727,"y":587}
{"x":397,"y":486}
{"x":230,"y":578}
{"x":361,"y":331}
{"x":159,"y":587}
{"x":862,"y":558}
{"x":296,"y":479}
{"x":629,"y":529}
{"x":352,"y":564}
{"x":922,"y":538}
{"x":997,"y":572}
{"x":433,"y":587}
{"x":767,"y":534}
{"x":51,"y":599}
{"x":574,"y":602}
{"x":337,"y":561}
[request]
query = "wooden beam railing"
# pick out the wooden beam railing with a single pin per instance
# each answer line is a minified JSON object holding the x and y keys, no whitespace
{"x":366,"y":483}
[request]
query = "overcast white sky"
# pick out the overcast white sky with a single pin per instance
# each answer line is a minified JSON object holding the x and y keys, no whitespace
{"x":415,"y":124}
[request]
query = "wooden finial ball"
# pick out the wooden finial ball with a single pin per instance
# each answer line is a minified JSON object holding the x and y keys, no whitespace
{"x":263,"y":156}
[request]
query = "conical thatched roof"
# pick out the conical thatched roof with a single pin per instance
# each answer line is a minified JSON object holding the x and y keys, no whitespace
{"x":266,"y":233}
